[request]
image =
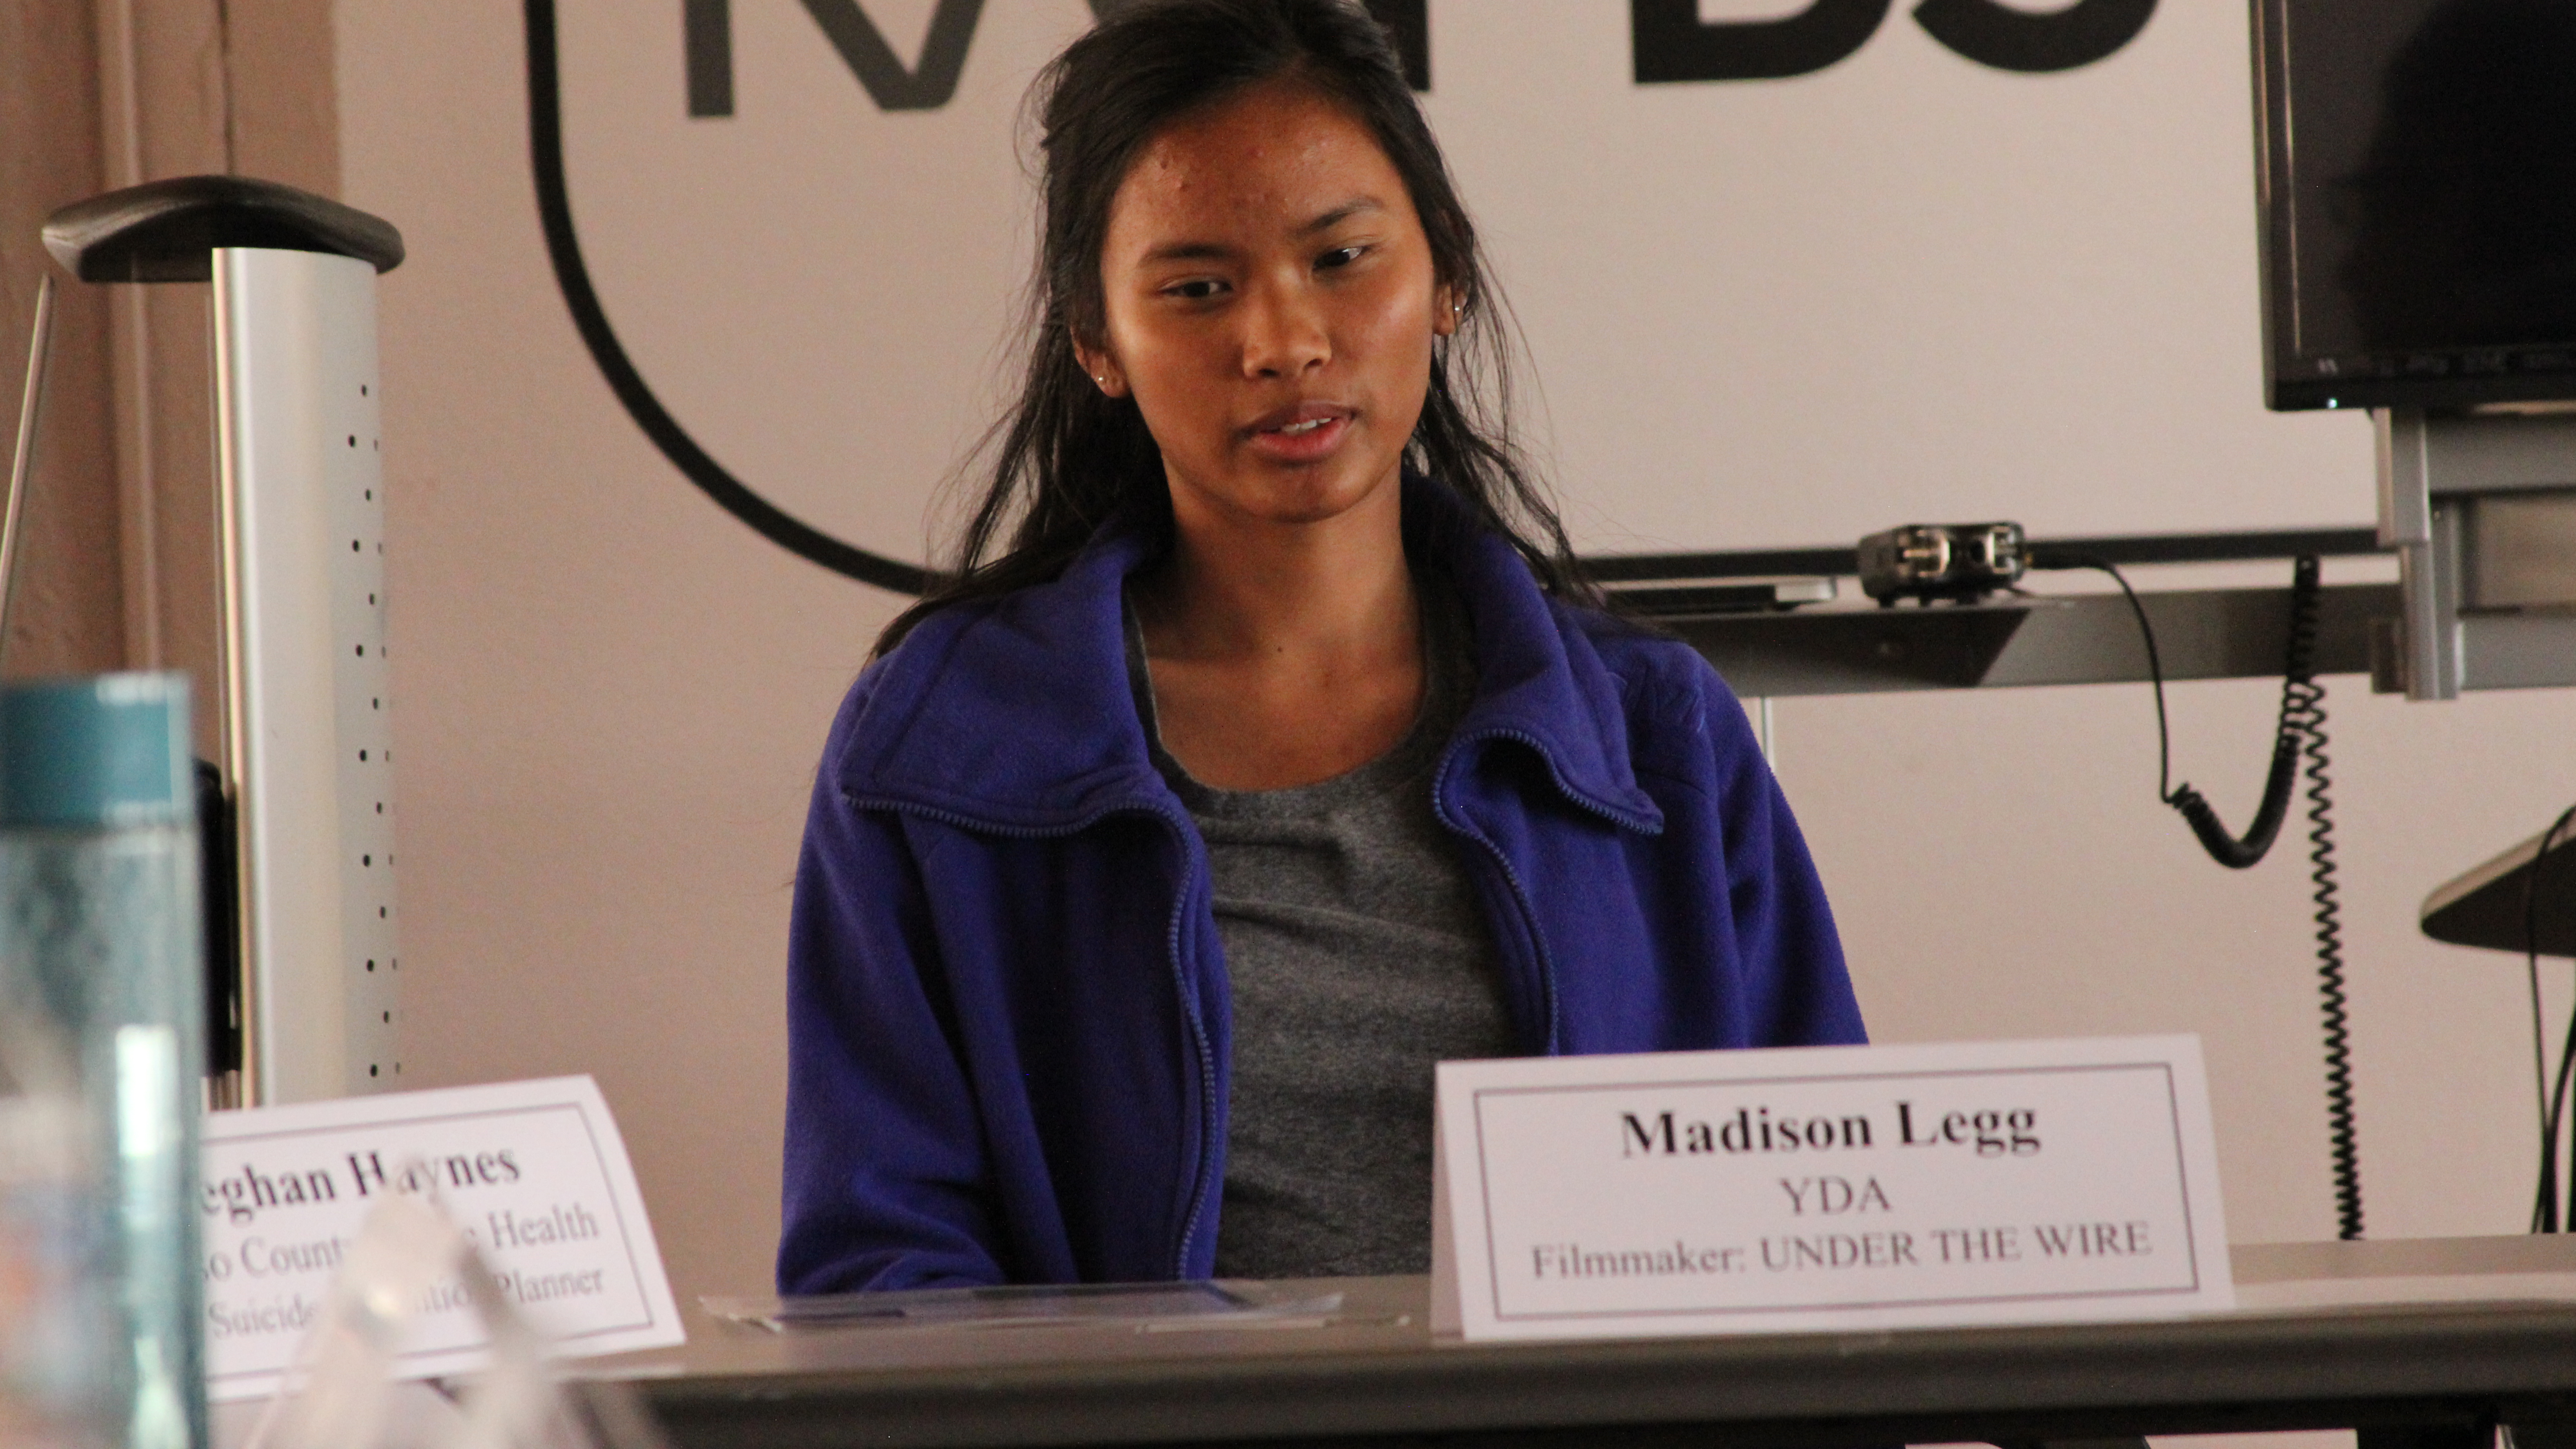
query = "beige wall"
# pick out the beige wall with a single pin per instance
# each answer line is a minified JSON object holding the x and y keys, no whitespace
{"x":610,"y":696}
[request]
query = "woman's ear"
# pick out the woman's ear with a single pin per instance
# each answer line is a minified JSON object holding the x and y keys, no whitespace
{"x":1102,"y":367}
{"x":1448,"y":309}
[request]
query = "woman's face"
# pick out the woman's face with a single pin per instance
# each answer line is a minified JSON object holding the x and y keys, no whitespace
{"x":1271,"y":304}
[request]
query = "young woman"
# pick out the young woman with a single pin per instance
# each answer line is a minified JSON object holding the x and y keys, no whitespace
{"x":1279,"y":754}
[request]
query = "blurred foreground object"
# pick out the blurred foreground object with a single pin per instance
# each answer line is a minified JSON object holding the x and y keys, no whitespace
{"x":101,"y":1016}
{"x":409,"y":1254}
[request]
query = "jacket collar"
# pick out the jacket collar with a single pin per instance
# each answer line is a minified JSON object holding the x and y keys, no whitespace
{"x":1016,"y":714}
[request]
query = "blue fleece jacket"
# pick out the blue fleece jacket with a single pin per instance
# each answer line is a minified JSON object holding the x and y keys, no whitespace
{"x":1007,"y":1013}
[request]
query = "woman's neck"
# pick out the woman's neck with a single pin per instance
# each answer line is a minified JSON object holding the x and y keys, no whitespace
{"x":1247,"y":590}
{"x":1283,"y":653}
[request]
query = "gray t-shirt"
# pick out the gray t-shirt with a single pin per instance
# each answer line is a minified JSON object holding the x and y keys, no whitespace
{"x":1356,"y":956}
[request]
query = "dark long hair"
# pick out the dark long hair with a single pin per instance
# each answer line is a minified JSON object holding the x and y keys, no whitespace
{"x":1068,"y":458}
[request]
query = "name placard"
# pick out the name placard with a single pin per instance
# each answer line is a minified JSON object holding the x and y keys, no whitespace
{"x":1826,"y":1188}
{"x":534,"y":1172}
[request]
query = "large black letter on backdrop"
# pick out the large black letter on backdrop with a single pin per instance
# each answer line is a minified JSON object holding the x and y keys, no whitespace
{"x":925,"y":87}
{"x":2009,"y":39}
{"x":1672,"y":43}
{"x":707,"y":48}
{"x":1407,"y":22}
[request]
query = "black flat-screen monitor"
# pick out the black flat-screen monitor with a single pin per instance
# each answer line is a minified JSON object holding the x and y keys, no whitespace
{"x":2418,"y":179}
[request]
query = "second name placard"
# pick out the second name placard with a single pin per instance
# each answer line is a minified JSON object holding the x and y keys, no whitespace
{"x":1828,"y":1188}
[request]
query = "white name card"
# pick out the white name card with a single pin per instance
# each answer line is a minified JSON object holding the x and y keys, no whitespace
{"x":534,"y":1173}
{"x":1826,"y":1188}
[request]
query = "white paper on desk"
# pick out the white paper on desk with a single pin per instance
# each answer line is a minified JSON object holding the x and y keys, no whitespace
{"x":534,"y":1172}
{"x":1825,"y":1189}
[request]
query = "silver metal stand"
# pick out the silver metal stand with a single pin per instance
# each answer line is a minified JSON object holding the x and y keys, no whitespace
{"x":2482,"y":512}
{"x":304,"y":699}
{"x":301,"y":504}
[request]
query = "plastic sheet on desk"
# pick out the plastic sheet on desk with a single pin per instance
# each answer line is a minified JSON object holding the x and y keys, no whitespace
{"x":1145,"y":1307}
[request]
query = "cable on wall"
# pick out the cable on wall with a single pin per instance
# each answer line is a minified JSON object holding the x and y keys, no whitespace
{"x":2303,"y":713}
{"x":2301,"y":735}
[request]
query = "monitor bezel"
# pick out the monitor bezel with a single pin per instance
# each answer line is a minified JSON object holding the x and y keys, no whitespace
{"x":2459,"y":379}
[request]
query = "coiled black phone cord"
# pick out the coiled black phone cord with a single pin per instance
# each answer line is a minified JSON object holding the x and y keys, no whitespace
{"x":2303,"y":711}
{"x":2301,"y":734}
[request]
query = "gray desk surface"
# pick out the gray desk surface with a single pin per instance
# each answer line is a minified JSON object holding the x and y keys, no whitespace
{"x":2432,"y":1334}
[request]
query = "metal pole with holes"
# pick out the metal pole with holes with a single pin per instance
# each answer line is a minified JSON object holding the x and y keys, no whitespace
{"x":304,"y":703}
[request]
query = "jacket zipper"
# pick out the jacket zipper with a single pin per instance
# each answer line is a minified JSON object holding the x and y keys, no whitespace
{"x":1520,"y":892}
{"x":1190,"y":1010}
{"x":1198,"y":1040}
